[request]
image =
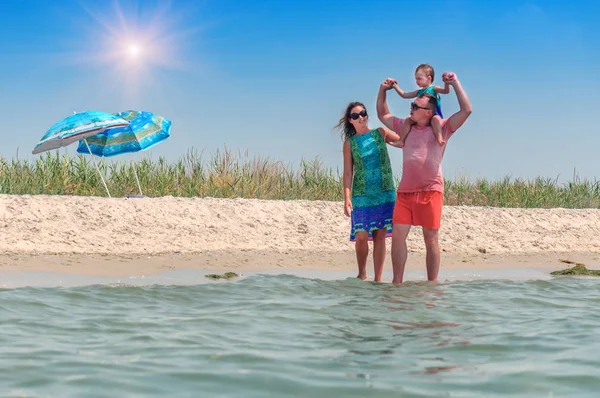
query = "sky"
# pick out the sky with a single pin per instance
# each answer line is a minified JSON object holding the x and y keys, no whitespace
{"x":273,"y":77}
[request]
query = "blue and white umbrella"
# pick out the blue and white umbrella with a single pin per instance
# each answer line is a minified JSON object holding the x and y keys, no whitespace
{"x":78,"y":127}
{"x":145,"y":129}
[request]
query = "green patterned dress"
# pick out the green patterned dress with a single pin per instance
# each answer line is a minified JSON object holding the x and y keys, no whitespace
{"x":373,"y":191}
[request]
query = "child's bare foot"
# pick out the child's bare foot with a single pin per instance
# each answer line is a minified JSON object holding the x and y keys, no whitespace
{"x":362,"y":276}
{"x":406,"y":126}
{"x":436,"y":126}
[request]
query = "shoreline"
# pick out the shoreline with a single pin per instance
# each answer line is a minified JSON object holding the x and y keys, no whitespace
{"x":122,"y":236}
{"x":266,"y":261}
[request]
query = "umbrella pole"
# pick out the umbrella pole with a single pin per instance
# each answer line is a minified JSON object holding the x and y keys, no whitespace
{"x":136,"y":177}
{"x":97,"y":168}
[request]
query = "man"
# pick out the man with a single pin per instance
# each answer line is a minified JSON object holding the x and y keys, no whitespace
{"x":420,"y":195}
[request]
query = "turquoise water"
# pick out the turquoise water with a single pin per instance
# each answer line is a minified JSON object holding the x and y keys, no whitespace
{"x":283,"y":335}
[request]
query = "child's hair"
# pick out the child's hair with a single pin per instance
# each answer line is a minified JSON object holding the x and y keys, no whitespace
{"x":344,"y":124}
{"x":427,"y":69}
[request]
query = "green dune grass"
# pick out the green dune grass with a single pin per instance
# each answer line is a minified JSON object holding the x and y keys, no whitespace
{"x":227,"y":174}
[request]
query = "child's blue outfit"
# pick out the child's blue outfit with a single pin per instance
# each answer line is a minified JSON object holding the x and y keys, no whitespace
{"x":431,"y":91}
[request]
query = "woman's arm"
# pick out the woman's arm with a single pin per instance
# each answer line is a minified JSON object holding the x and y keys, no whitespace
{"x":389,"y":136}
{"x":348,"y":174}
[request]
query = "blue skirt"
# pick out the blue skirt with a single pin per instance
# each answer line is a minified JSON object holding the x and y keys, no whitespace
{"x":368,"y":218}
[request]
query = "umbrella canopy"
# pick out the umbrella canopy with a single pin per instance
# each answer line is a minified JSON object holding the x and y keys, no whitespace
{"x":145,"y":129}
{"x":77,"y":127}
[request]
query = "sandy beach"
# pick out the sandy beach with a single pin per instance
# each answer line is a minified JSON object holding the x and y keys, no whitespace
{"x":134,"y":236}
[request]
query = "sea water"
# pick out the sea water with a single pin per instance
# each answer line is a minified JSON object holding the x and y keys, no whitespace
{"x":302,"y":335}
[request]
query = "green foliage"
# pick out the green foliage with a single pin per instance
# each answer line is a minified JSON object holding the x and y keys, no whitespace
{"x":231,"y":175}
{"x":537,"y":193}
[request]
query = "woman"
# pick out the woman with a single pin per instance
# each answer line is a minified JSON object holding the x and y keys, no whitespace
{"x":369,"y":192}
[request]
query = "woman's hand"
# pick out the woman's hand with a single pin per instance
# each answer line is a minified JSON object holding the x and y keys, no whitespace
{"x":347,"y":207}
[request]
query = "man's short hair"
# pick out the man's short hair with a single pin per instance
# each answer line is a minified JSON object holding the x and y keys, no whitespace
{"x":431,"y":99}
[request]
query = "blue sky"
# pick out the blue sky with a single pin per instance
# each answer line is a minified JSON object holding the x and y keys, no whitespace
{"x":273,"y":77}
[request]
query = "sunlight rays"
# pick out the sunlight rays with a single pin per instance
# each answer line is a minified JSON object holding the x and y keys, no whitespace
{"x":135,"y":36}
{"x":130,"y":43}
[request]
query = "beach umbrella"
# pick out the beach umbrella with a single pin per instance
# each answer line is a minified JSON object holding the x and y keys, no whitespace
{"x":78,"y":127}
{"x":145,"y":129}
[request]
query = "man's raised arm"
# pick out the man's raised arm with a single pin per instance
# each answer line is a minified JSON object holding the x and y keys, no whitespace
{"x":461,"y":116}
{"x":383,"y":112}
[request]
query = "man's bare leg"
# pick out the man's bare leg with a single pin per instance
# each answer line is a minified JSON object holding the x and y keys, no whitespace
{"x":432,"y":245}
{"x":399,"y":251}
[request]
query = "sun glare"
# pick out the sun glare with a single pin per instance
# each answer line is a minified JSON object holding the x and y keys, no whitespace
{"x":134,"y":50}
{"x":131,"y":45}
{"x":136,"y":40}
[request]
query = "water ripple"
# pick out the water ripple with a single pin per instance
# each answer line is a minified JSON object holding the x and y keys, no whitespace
{"x":290,"y":336}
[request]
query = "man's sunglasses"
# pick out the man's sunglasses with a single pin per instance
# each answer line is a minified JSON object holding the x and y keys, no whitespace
{"x":414,"y":107}
{"x":355,"y":115}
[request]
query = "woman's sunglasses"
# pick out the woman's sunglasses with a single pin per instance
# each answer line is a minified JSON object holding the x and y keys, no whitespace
{"x":355,"y":115}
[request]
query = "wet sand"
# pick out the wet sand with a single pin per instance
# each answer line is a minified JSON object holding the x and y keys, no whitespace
{"x":143,"y":236}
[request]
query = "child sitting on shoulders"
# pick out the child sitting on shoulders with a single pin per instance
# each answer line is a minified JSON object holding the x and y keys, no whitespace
{"x":424,"y":75}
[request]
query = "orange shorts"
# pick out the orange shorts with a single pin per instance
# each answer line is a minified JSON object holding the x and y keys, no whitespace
{"x":419,"y":208}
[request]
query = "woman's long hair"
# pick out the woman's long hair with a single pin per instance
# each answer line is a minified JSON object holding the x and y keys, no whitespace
{"x":344,"y":124}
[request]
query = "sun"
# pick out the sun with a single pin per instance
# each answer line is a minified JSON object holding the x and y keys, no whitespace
{"x":131,"y":47}
{"x":134,"y":50}
{"x":130,"y":39}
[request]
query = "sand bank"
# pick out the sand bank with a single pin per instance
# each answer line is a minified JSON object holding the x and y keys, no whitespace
{"x":102,"y":236}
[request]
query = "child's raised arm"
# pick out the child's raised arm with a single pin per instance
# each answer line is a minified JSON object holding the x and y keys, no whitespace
{"x":404,"y":94}
{"x":444,"y":90}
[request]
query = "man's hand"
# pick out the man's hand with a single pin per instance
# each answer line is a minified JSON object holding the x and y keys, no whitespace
{"x":388,"y":83}
{"x":449,"y":78}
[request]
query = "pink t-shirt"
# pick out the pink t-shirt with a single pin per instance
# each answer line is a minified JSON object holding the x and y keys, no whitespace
{"x":422,"y":158}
